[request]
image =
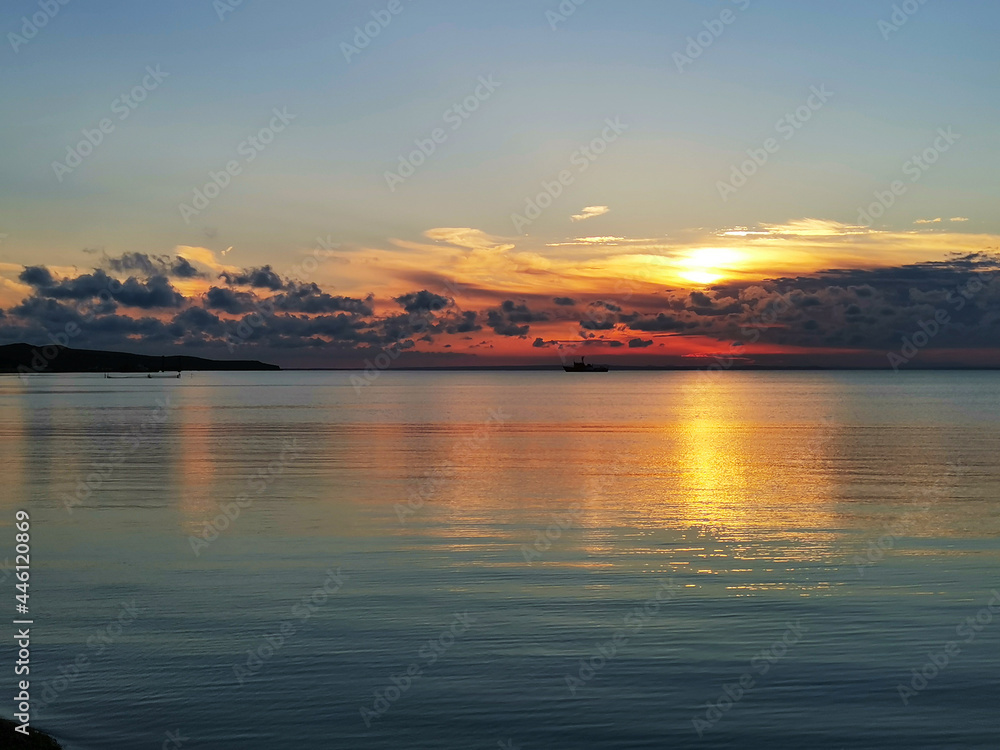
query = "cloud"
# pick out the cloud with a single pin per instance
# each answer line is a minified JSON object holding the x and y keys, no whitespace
{"x":845,"y":309}
{"x":958,"y":219}
{"x":309,"y":298}
{"x":156,"y":292}
{"x":258,"y":278}
{"x":227,"y":300}
{"x":151,"y":293}
{"x":928,"y":221}
{"x":201,"y":255}
{"x":422,"y":301}
{"x":183,"y":269}
{"x":850,"y":311}
{"x":512,"y":319}
{"x":152,"y":265}
{"x":812,"y":228}
{"x":591,"y":212}
{"x":37,"y":276}
{"x":606,"y":241}
{"x":660,"y":322}
{"x":471,"y":239}
{"x":465,"y":322}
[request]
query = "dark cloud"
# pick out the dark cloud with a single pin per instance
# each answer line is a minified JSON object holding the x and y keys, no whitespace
{"x":513,"y":319}
{"x":156,"y":292}
{"x":422,"y":301}
{"x":183,"y":269}
{"x":198,"y":318}
{"x":229,"y":301}
{"x":37,"y":276}
{"x":258,"y":278}
{"x":152,"y":293}
{"x":603,"y":324}
{"x":853,"y":310}
{"x":465,"y":322}
{"x":515,"y":313}
{"x":657,"y":323}
{"x":152,"y":265}
{"x":309,"y":298}
{"x":504,"y":327}
{"x":863,"y":309}
{"x":135,"y":262}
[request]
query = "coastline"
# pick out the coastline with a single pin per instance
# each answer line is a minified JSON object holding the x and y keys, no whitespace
{"x":37,"y":740}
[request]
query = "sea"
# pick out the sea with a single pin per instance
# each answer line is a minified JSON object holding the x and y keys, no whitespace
{"x":520,"y":560}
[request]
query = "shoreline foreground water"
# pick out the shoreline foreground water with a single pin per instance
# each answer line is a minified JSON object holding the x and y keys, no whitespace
{"x":857,"y":510}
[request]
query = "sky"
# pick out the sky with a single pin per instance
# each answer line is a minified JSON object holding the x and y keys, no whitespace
{"x":464,"y":183}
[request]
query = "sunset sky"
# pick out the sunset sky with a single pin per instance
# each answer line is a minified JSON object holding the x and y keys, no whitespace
{"x":642,"y":182}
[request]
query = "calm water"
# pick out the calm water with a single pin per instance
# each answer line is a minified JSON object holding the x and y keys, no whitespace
{"x":525,"y":560}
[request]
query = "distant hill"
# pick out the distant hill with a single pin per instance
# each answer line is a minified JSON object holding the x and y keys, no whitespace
{"x":27,"y":359}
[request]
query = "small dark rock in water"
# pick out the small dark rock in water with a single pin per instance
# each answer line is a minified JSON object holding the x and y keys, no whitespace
{"x":16,"y":741}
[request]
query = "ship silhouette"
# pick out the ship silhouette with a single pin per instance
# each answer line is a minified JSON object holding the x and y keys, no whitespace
{"x":582,"y":366}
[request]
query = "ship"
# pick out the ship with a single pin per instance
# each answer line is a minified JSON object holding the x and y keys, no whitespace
{"x":582,"y":366}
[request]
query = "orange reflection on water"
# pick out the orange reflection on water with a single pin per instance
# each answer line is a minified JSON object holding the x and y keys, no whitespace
{"x":196,"y":457}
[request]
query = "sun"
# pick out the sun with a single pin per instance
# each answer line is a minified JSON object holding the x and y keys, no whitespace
{"x":707,"y":265}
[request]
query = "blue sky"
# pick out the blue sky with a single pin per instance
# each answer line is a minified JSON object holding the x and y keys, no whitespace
{"x":607,"y":59}
{"x":656,"y":186}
